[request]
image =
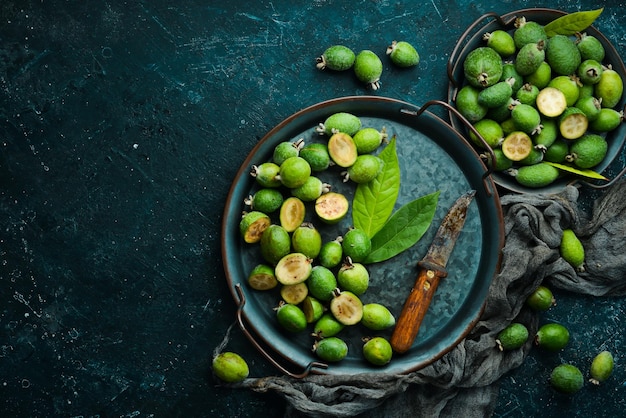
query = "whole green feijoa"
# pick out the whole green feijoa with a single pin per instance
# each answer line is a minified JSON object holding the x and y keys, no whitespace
{"x":497,"y":94}
{"x":609,"y":88}
{"x":491,"y":132}
{"x":356,"y":244}
{"x":311,"y":189}
{"x":353,"y":277}
{"x":327,"y":326}
{"x":322,"y":282}
{"x":527,"y":31}
{"x":294,"y":172}
{"x":552,"y":337}
{"x":275,"y":243}
{"x":537,"y":175}
{"x":467,"y":104}
{"x":591,"y":108}
{"x":527,"y":94}
{"x":548,"y":135}
{"x":563,"y":55}
{"x":601,"y":367}
{"x":557,"y":152}
{"x":291,"y":317}
{"x":607,"y":120}
{"x":589,"y":72}
{"x":567,"y":378}
{"x":330,"y":254}
{"x":367,"y":140}
{"x":286,"y":149}
{"x":306,"y":239}
{"x":230,"y":367}
{"x":529,"y":58}
{"x":501,"y":42}
{"x":588,"y":151}
{"x":337,"y":58}
{"x":482,"y":67}
{"x":265,"y":200}
{"x":590,"y":47}
{"x":509,"y":71}
{"x":340,"y":122}
{"x":541,"y":77}
{"x":266,"y":174}
{"x":316,"y":154}
{"x":331,"y":349}
{"x":365,"y":169}
{"x":541,"y":299}
{"x":535,"y":157}
{"x":502,"y":162}
{"x":377,"y":351}
{"x":526,"y":118}
{"x":403,"y":54}
{"x":572,"y":249}
{"x":512,"y":337}
{"x":368,"y":68}
{"x":377,"y":317}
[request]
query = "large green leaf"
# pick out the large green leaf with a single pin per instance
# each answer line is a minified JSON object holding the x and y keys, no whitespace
{"x":373,"y":202}
{"x":405,"y":227}
{"x":571,"y":23}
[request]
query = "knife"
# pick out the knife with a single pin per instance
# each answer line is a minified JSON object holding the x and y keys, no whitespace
{"x":432,"y":268}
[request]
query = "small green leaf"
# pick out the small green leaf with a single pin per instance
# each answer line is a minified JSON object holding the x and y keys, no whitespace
{"x":571,"y":23}
{"x":585,"y":173}
{"x":373,"y":202}
{"x":405,"y":227}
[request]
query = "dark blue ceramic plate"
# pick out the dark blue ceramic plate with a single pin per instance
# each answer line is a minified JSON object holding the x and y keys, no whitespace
{"x":472,"y":39}
{"x":433,"y":157}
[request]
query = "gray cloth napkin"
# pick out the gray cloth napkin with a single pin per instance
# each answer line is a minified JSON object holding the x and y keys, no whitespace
{"x":464,"y":382}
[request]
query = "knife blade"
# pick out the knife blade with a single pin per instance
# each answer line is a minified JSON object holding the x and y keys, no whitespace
{"x":432,"y":268}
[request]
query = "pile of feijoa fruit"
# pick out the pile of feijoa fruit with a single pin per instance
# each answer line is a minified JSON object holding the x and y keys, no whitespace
{"x":306,"y":261}
{"x":543,"y":104}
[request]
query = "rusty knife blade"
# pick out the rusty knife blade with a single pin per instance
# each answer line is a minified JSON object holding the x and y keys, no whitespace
{"x":431,"y":268}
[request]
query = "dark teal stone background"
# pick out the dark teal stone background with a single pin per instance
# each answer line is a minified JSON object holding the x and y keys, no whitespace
{"x":122,"y":124}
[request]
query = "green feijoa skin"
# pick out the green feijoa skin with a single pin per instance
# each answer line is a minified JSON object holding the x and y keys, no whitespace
{"x":482,"y":67}
{"x":330,"y":254}
{"x":609,"y":88}
{"x":548,"y":135}
{"x":527,"y":94}
{"x":527,"y":32}
{"x":512,"y":337}
{"x":377,"y":351}
{"x":312,"y":188}
{"x":557,"y":152}
{"x":502,"y":162}
{"x":291,"y":318}
{"x":265,"y":200}
{"x":266,"y":174}
{"x":346,"y":307}
{"x":535,"y":157}
{"x":327,"y":326}
{"x":490,"y":130}
{"x":563,"y":55}
{"x":552,"y":337}
{"x":508,"y":126}
{"x":590,"y":47}
{"x":275,"y":243}
{"x":294,"y":172}
{"x":588,"y":151}
{"x":340,"y":122}
{"x":541,"y":299}
{"x":502,"y":113}
{"x":377,"y":317}
{"x":230,"y":367}
{"x":537,"y":175}
{"x":567,"y":379}
{"x":529,"y":58}
{"x":601,"y":367}
{"x":316,"y":154}
{"x":368,"y":68}
{"x":589,"y":71}
{"x":526,"y":118}
{"x":285,"y":150}
{"x":403,"y":54}
{"x":353,"y":277}
{"x":306,"y":239}
{"x":586,"y":90}
{"x":501,"y":42}
{"x":541,"y":77}
{"x":509,"y":71}
{"x":467,"y":104}
{"x":342,"y":149}
{"x":322,"y":282}
{"x":313,"y":309}
{"x":497,"y":94}
{"x":253,"y":225}
{"x":365,"y":169}
{"x":607,"y":120}
{"x":356,"y":244}
{"x":331,"y":349}
{"x":572,"y":250}
{"x":368,"y":140}
{"x":336,"y":58}
{"x":590,"y":106}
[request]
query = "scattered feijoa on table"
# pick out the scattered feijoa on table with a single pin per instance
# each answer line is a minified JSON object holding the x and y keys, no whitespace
{"x":403,"y":54}
{"x":552,"y":337}
{"x":572,"y":249}
{"x":601,"y":367}
{"x":337,"y":58}
{"x":230,"y":367}
{"x":541,"y":299}
{"x":368,"y":68}
{"x":566,"y":378}
{"x":512,"y":337}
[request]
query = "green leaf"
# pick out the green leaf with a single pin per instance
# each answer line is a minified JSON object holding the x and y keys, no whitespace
{"x":571,"y":23}
{"x":373,"y":202}
{"x":585,"y":173}
{"x":405,"y":227}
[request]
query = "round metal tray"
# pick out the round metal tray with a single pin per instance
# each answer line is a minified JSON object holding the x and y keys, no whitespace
{"x":433,"y":157}
{"x":472,"y":38}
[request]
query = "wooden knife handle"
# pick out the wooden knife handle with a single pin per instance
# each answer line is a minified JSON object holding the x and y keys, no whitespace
{"x":415,"y":308}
